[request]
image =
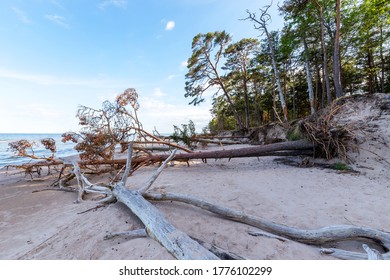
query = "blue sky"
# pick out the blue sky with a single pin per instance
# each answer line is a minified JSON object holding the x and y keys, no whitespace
{"x":58,"y":54}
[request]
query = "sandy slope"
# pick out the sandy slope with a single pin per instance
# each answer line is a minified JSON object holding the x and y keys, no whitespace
{"x":46,"y":225}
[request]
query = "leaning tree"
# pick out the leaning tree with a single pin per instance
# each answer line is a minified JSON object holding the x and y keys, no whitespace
{"x":204,"y":69}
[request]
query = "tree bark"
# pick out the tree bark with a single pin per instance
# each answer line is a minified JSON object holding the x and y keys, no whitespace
{"x":300,"y":147}
{"x":382,"y":60}
{"x":179,"y":244}
{"x":308,"y":77}
{"x":336,"y":54}
{"x":276,"y":73}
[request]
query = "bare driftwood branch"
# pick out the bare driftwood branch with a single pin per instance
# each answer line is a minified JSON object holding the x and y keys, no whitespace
{"x":85,"y":186}
{"x":348,"y":255}
{"x":153,"y":178}
{"x":219,"y":252}
{"x":373,"y":254}
{"x":320,"y":236}
{"x":266,"y":234}
{"x":138,"y":233}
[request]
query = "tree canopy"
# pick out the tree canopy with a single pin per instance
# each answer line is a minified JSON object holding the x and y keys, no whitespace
{"x":326,"y":49}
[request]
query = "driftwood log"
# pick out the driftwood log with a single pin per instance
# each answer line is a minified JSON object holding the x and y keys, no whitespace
{"x":179,"y":244}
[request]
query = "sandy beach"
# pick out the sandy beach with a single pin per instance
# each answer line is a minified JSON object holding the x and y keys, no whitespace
{"x":49,"y":225}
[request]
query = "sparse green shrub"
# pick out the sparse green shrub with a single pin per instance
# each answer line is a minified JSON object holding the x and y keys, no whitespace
{"x":185,"y":134}
{"x":341,"y":166}
{"x":295,"y":134}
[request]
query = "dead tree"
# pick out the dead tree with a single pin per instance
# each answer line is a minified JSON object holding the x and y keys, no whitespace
{"x":261,"y":24}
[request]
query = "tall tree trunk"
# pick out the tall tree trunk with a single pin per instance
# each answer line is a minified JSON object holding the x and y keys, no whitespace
{"x":229,"y":100}
{"x":276,"y":73}
{"x":258,"y":112}
{"x":291,"y":72}
{"x":382,"y":60}
{"x":336,"y":54}
{"x":371,"y":83}
{"x":246,"y":96}
{"x":308,"y":77}
{"x":226,"y":94}
{"x":320,"y":86}
{"x":324,"y":54}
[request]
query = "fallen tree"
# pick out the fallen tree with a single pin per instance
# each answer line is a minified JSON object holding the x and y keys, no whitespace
{"x":181,"y":246}
{"x":292,"y":148}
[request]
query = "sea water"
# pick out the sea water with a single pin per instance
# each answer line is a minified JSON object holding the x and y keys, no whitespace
{"x":7,"y":157}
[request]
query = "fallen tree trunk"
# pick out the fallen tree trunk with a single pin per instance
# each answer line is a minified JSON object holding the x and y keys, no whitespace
{"x":179,"y":244}
{"x":218,"y":142}
{"x":292,"y":148}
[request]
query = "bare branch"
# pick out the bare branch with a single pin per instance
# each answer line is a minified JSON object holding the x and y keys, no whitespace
{"x":129,"y":234}
{"x":151,"y":180}
{"x":128,"y":163}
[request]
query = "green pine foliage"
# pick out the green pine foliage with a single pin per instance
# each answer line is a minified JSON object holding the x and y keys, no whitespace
{"x":185,"y":133}
{"x":240,"y":73}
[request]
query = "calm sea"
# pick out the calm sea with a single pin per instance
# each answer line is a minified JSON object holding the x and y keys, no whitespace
{"x":7,"y":157}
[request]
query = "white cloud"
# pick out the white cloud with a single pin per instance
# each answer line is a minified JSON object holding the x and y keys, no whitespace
{"x":158,"y":93}
{"x":183,"y":65}
{"x":37,"y":79}
{"x":154,"y":106}
{"x":171,"y":77}
{"x":116,"y":3}
{"x":38,"y":110}
{"x":21,"y":15}
{"x":47,"y":80}
{"x":60,"y":20}
{"x":58,"y":4}
{"x":156,"y":112}
{"x":170,"y":25}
